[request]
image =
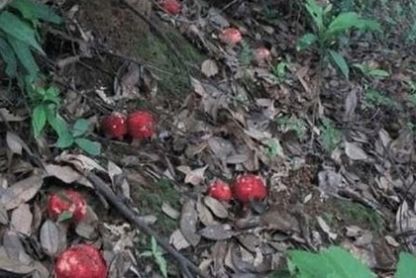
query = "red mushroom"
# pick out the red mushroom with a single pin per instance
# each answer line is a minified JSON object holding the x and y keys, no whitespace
{"x":81,"y":261}
{"x":230,"y":36}
{"x":114,"y":125}
{"x":249,"y":187}
{"x":172,"y":7}
{"x":67,"y":201}
{"x":141,"y":125}
{"x":220,"y":190}
{"x":262,"y":55}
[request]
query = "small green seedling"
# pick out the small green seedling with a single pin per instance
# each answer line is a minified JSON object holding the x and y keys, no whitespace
{"x":156,"y":253}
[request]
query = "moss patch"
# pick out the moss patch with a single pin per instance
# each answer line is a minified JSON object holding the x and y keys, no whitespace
{"x":149,"y":200}
{"x":166,"y":65}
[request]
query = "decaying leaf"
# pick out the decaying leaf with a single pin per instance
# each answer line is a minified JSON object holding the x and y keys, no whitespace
{"x":170,"y":211}
{"x":204,"y":214}
{"x":66,"y":174}
{"x":80,"y":162}
{"x":209,"y":68}
{"x":355,"y":152}
{"x":325,"y":228}
{"x":14,"y":142}
{"x":188,"y":222}
{"x":178,"y":240}
{"x":194,"y":177}
{"x":21,"y":219}
{"x":21,"y":192}
{"x":4,"y":217}
{"x":217,"y":232}
{"x":216,"y":207}
{"x":49,"y":238}
{"x":6,"y":115}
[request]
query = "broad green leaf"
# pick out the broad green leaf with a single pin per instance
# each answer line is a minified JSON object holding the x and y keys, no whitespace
{"x":34,"y":10}
{"x":306,"y":41}
{"x":65,"y":138}
{"x":38,"y":119}
{"x":340,"y":62}
{"x":7,"y":54}
{"x":18,"y":29}
{"x":80,"y":127}
{"x":348,"y":20}
{"x":330,"y":136}
{"x":379,"y":73}
{"x":24,"y":55}
{"x":406,"y":267}
{"x":333,"y":262}
{"x":90,"y":147}
{"x":316,"y":12}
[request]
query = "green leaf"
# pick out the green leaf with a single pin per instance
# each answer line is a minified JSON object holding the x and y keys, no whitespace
{"x":348,"y":20}
{"x":406,"y":268}
{"x":19,"y":30}
{"x":64,"y":216}
{"x":379,"y":73}
{"x":38,"y":119}
{"x":24,"y":55}
{"x":340,"y":62}
{"x":146,"y":254}
{"x":9,"y":58}
{"x":330,"y":136}
{"x":65,"y":138}
{"x":80,"y":127}
{"x":316,"y":12}
{"x":34,"y":10}
{"x":306,"y":41}
{"x":90,"y":147}
{"x":333,"y":262}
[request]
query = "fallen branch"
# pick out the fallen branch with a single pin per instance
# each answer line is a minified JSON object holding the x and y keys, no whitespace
{"x":186,"y":265}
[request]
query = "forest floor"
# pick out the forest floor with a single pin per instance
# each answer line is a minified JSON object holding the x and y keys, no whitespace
{"x":337,"y":154}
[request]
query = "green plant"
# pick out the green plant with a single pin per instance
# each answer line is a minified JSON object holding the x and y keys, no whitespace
{"x":280,"y":70}
{"x":246,"y":54}
{"x":45,"y":105}
{"x":371,"y":72}
{"x":19,"y":36}
{"x":328,"y":29}
{"x":336,"y":262}
{"x":156,"y":253}
{"x":374,"y":98}
{"x":330,"y":136}
{"x":292,"y":123}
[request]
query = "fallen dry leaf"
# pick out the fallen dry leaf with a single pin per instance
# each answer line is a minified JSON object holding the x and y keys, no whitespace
{"x":355,"y":152}
{"x":49,"y":238}
{"x":66,"y":174}
{"x":178,"y":240}
{"x":21,"y":219}
{"x":216,"y":207}
{"x":188,"y":222}
{"x":209,"y":68}
{"x":217,"y":232}
{"x":21,"y":192}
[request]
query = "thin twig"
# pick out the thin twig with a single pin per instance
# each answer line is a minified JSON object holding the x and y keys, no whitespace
{"x":185,"y":264}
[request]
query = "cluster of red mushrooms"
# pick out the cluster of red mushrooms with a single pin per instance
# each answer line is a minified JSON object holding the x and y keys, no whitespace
{"x":81,"y":260}
{"x":230,"y":36}
{"x":138,"y":125}
{"x":85,"y":260}
{"x":244,"y":188}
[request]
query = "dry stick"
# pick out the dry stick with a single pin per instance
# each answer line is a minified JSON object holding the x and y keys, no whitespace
{"x":125,"y":211}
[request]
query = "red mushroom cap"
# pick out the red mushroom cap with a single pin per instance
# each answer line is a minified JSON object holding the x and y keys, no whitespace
{"x":67,"y":201}
{"x":172,"y":7}
{"x":141,"y":125}
{"x":220,"y":190}
{"x":249,"y":187}
{"x":81,"y":261}
{"x":231,"y":36}
{"x":114,"y":125}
